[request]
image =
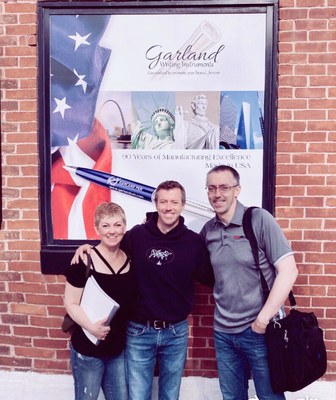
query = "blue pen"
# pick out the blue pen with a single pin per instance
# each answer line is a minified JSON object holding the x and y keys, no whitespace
{"x":132,"y":188}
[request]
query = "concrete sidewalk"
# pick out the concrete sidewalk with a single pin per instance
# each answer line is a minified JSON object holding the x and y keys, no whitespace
{"x":32,"y":386}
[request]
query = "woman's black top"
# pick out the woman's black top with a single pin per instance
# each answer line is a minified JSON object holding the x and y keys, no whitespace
{"x":122,"y":288}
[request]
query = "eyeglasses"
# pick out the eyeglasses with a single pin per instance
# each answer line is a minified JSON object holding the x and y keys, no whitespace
{"x":222,"y":188}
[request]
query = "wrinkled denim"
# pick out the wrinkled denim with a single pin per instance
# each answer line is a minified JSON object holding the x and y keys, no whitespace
{"x":234,"y":353}
{"x":144,"y":345}
{"x":91,"y":373}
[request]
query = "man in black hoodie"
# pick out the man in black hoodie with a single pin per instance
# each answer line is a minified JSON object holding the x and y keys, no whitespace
{"x":167,"y":257}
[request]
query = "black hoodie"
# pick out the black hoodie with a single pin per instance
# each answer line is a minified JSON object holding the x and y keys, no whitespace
{"x":165,"y":265}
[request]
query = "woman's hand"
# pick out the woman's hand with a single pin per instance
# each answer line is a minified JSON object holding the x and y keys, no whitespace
{"x":99,"y":330}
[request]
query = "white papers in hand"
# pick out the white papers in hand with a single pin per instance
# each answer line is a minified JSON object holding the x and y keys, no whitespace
{"x":97,"y":305}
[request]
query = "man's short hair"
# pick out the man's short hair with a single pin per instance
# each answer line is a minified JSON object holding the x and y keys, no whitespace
{"x":109,"y":209}
{"x":222,"y":168}
{"x":168,"y":185}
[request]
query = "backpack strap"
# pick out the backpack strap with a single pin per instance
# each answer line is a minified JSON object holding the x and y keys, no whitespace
{"x":249,"y":234}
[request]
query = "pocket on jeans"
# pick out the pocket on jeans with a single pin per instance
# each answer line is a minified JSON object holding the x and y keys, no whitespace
{"x":181,"y":328}
{"x":134,"y":329}
{"x":257,"y":334}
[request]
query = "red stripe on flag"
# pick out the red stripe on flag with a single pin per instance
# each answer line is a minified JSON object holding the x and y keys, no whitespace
{"x":97,"y":194}
{"x":97,"y":147}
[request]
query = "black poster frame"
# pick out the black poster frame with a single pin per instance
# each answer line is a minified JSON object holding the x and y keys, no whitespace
{"x":56,"y":253}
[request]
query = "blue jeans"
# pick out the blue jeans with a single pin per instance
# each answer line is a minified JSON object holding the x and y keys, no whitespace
{"x":235,"y":353}
{"x":144,"y":345}
{"x":91,"y":373}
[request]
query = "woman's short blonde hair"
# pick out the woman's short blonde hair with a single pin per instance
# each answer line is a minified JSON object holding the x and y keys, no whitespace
{"x":109,"y":209}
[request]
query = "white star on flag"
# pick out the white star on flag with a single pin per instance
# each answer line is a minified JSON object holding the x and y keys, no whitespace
{"x":79,"y":39}
{"x":77,"y":137}
{"x":80,"y":81}
{"x":61,"y":106}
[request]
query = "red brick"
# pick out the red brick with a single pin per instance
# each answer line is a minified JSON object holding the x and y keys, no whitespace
{"x":24,"y":245}
{"x":50,"y":365}
{"x":293,"y":169}
{"x":286,"y":25}
{"x":296,"y":36}
{"x":296,"y":81}
{"x":325,"y":280}
{"x":308,"y":158}
{"x":290,"y":212}
{"x":20,"y":8}
{"x":285,"y":92}
{"x":285,"y":48}
{"x":324,"y":302}
{"x":331,"y":202}
{"x":322,"y":13}
{"x":322,"y":169}
{"x":46,"y":322}
{"x":310,"y":25}
{"x":330,"y":224}
{"x":28,"y":309}
{"x":44,"y":299}
{"x":21,"y":116}
{"x":201,"y":353}
{"x":22,"y":94}
{"x":282,"y":180}
{"x":309,"y":3}
{"x":310,"y":70}
{"x":307,"y":246}
{"x":9,"y":106}
{"x":309,"y":114}
{"x":27,"y":18}
{"x":286,"y":3}
{"x":321,"y":191}
{"x":323,"y":80}
{"x":34,"y":352}
{"x":309,"y":180}
{"x":307,"y":223}
{"x":290,"y":191}
{"x":8,"y":41}
{"x":292,"y":104}
{"x":312,"y":47}
{"x":15,"y":362}
{"x":310,"y":92}
{"x":6,"y":19}
{"x":292,"y":14}
{"x":52,"y":343}
{"x":8,"y":61}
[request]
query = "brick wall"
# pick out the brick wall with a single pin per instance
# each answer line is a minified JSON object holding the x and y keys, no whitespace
{"x":306,"y":160}
{"x":31,"y":303}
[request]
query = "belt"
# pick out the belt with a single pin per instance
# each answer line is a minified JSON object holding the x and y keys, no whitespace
{"x":156,"y":323}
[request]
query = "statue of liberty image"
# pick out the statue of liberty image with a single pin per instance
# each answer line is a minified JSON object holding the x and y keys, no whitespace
{"x":163,"y":124}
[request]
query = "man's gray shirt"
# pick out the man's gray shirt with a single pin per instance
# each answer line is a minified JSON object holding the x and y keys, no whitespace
{"x":237,"y":291}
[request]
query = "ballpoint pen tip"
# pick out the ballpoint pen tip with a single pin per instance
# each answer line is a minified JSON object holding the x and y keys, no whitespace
{"x":69,"y":167}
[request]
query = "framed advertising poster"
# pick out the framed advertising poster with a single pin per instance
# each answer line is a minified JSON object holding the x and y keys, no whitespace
{"x":133,"y":94}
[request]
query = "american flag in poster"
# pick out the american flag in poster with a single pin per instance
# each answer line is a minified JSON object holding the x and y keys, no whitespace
{"x":78,"y":64}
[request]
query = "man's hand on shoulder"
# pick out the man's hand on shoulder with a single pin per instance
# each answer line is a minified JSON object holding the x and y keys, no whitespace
{"x":80,"y":253}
